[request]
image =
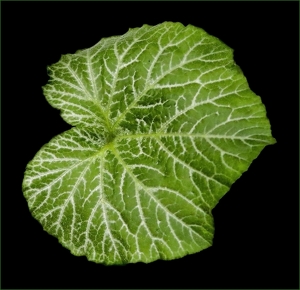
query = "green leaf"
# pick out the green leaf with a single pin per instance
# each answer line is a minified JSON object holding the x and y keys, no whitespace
{"x":165,"y":123}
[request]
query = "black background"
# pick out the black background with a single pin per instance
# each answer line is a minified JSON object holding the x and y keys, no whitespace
{"x":257,"y":224}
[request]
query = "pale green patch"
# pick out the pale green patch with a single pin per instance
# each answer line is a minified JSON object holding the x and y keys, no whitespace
{"x":165,"y":123}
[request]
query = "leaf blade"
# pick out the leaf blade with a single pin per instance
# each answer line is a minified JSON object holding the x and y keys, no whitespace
{"x":165,"y":123}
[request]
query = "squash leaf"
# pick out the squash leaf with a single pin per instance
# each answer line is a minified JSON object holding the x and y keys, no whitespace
{"x":164,"y":123}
